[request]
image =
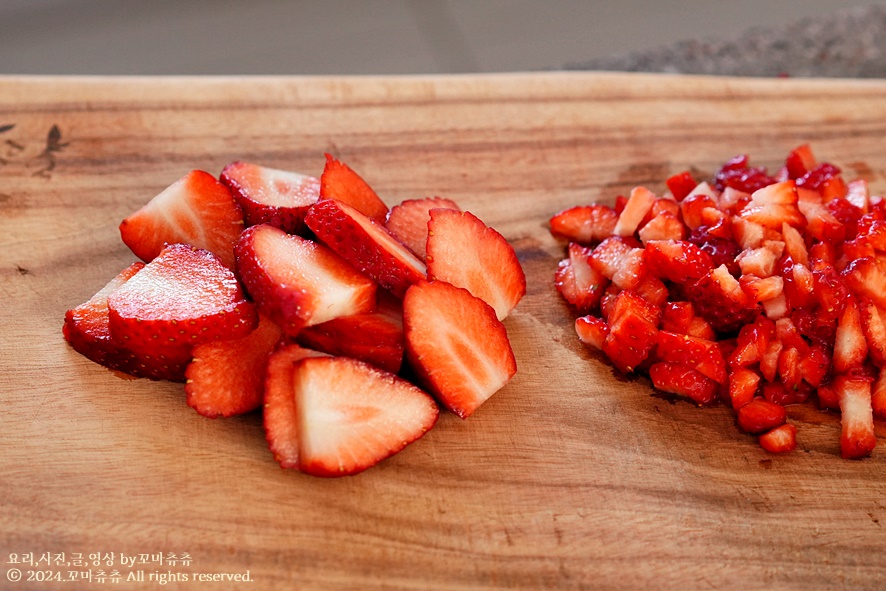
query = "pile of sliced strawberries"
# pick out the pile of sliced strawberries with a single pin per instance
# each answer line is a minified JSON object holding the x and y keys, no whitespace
{"x":346,"y":322}
{"x":755,"y":290}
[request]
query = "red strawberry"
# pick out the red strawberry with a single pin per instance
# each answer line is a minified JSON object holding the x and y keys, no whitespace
{"x":759,"y":416}
{"x":678,"y":379}
{"x":184,"y":297}
{"x":780,"y":440}
{"x":874,"y":326}
{"x":632,"y":334}
{"x":350,"y":415}
{"x":761,"y":290}
{"x":743,"y":385}
{"x":297,"y":282}
{"x":676,"y":260}
{"x":456,"y":345}
{"x":752,"y":342}
{"x":366,"y":244}
{"x":280,"y":420}
{"x":867,"y":278}
{"x":197,"y":210}
{"x":857,"y":439}
{"x":609,"y":256}
{"x":719,"y":299}
{"x":664,"y":226}
{"x":701,"y":355}
{"x":800,"y":161}
{"x":591,"y":331}
{"x":578,"y":282}
{"x":374,"y":337}
{"x":878,"y":396}
{"x":694,"y":207}
{"x":341,"y":183}
{"x":850,"y":346}
{"x":226,"y":378}
{"x":271,"y":196}
{"x":584,"y":224}
{"x":408,"y":222}
{"x":465,"y":252}
{"x":681,"y":184}
{"x":636,"y":208}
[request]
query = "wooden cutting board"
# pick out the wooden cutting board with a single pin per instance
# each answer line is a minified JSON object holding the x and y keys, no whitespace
{"x":569,"y":478}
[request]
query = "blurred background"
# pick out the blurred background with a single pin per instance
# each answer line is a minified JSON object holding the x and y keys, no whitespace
{"x":743,"y":37}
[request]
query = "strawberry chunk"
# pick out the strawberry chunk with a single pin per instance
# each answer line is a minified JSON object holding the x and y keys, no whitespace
{"x":867,"y":278}
{"x":743,"y":385}
{"x":874,"y":327}
{"x":271,"y":196}
{"x":467,"y":253}
{"x":609,"y":256}
{"x":759,"y":416}
{"x":857,"y":439}
{"x":408,"y":222}
{"x":678,"y":379}
{"x":297,"y":282}
{"x":677,"y":260}
{"x":664,"y":226}
{"x":719,"y":299}
{"x":578,"y":282}
{"x":350,"y":415}
{"x":341,"y":183}
{"x":681,"y":184}
{"x":366,"y":244}
{"x":800,"y":161}
{"x":182,"y":298}
{"x":456,"y":344}
{"x":584,"y":224}
{"x":196,"y":209}
{"x":702,"y":355}
{"x":632,"y":334}
{"x":780,"y":440}
{"x":591,"y":331}
{"x":226,"y":378}
{"x":878,"y":396}
{"x":850,"y":346}
{"x":636,"y":208}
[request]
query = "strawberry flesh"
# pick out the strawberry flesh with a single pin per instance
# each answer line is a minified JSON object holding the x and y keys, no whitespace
{"x":271,"y":196}
{"x":408,"y":222}
{"x":341,"y":183}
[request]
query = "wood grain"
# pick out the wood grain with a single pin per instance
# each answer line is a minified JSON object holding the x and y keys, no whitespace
{"x":569,"y":478}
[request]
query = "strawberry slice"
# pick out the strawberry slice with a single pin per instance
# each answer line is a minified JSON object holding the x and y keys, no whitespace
{"x":408,"y":222}
{"x":850,"y":346}
{"x":366,"y":244}
{"x":681,"y":184}
{"x":297,"y":282}
{"x":271,"y":196}
{"x":664,"y":226}
{"x":456,"y":345}
{"x":226,"y":378}
{"x":780,"y":440}
{"x":584,"y":224}
{"x":701,"y":355}
{"x":184,"y":297}
{"x":375,"y":337}
{"x":743,"y":385}
{"x":280,"y":420}
{"x":341,"y":183}
{"x":678,"y":379}
{"x":636,"y":208}
{"x":196,"y":209}
{"x":759,"y":416}
{"x":677,"y":260}
{"x":591,"y":331}
{"x":350,"y":415}
{"x":874,"y":326}
{"x":867,"y":278}
{"x":578,"y":282}
{"x":465,"y":252}
{"x":857,"y":439}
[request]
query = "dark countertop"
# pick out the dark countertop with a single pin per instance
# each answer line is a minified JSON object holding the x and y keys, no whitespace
{"x":846,"y":44}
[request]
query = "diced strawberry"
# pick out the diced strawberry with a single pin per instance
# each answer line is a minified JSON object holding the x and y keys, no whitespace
{"x":585,"y":224}
{"x":776,"y":308}
{"x":408,"y":222}
{"x":794,"y":245}
{"x":226,"y":378}
{"x":297,"y":282}
{"x":681,"y":380}
{"x":821,"y":223}
{"x":732,"y":199}
{"x":815,"y":366}
{"x":182,"y":298}
{"x":467,"y":253}
{"x":677,"y":260}
{"x":350,"y":415}
{"x":632,"y":331}
{"x":341,"y":183}
{"x":608,"y":256}
{"x":774,"y":215}
{"x":196,"y":209}
{"x":702,"y":355}
{"x":719,"y":299}
{"x":578,"y":282}
{"x":874,"y":326}
{"x":800,"y":161}
{"x":280,"y":420}
{"x":828,"y":397}
{"x":816,"y":177}
{"x":850,"y":346}
{"x":760,"y":290}
{"x":761,"y":261}
{"x":759,"y":416}
{"x":591,"y":331}
{"x":677,"y":317}
{"x":859,"y":195}
{"x":692,"y":209}
{"x":715,"y":241}
{"x":737,"y":174}
{"x":456,"y":345}
{"x":366,"y":244}
{"x":857,"y":439}
{"x":878,"y":396}
{"x":743,"y":384}
{"x":752,"y":343}
{"x":664,"y":226}
{"x":747,"y":234}
{"x":847,"y":214}
{"x":631,"y":270}
{"x":780,"y":440}
{"x":374,"y":337}
{"x":271,"y":196}
{"x":789,"y":368}
{"x":831,"y":291}
{"x":639,"y":203}
{"x":681,"y":184}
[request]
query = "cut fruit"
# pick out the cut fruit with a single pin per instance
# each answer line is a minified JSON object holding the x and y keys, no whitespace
{"x":408,"y":222}
{"x":271,"y":196}
{"x":341,"y":183}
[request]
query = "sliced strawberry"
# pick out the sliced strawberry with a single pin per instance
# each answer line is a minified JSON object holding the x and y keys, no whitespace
{"x":702,"y":355}
{"x":280,"y":420}
{"x":633,"y":328}
{"x":752,"y":342}
{"x":800,"y":161}
{"x":677,"y":260}
{"x":196,"y":209}
{"x":761,"y":290}
{"x":867,"y":278}
{"x":850,"y":346}
{"x":271,"y":196}
{"x":350,"y":415}
{"x":664,"y":226}
{"x":184,"y":297}
{"x":609,"y":256}
{"x":874,"y":326}
{"x":631,"y":270}
{"x":677,"y":317}
{"x":467,"y":253}
{"x":408,"y":222}
{"x":780,"y":440}
{"x":719,"y":299}
{"x":636,"y":208}
{"x":859,"y":195}
{"x":743,"y":384}
{"x":591,"y":331}
{"x":456,"y":345}
{"x":678,"y":379}
{"x":759,"y":416}
{"x":226,"y":378}
{"x":297,"y":282}
{"x":681,"y":184}
{"x":374,"y":337}
{"x":366,"y":244}
{"x":585,"y":224}
{"x":857,"y":439}
{"x":578,"y":282}
{"x":341,"y":183}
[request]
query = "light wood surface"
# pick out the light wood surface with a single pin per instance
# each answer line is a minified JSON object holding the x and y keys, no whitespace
{"x":569,"y":478}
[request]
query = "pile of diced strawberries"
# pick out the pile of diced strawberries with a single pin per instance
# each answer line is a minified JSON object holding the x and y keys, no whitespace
{"x":757,"y":290}
{"x":345,"y":321}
